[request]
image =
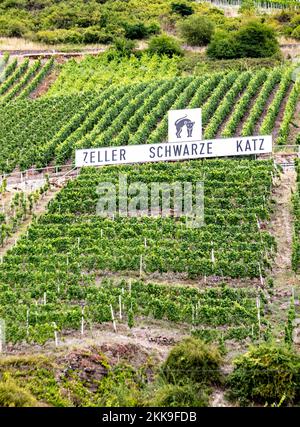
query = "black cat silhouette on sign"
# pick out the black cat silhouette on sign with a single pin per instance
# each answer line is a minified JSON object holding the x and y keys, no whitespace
{"x":185,"y":125}
{"x":184,"y":121}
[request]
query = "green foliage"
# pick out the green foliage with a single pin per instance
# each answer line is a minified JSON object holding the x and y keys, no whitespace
{"x":164,"y":45}
{"x":222,"y":46}
{"x":130,"y":318}
{"x":96,"y":73}
{"x":197,"y":30}
{"x":288,"y":338}
{"x":121,"y":48}
{"x":12,"y":395}
{"x":254,"y":40}
{"x":139,"y":30}
{"x":288,"y":116}
{"x":121,"y":387}
{"x":296,"y":33}
{"x":59,"y":36}
{"x":273,"y":110}
{"x":266,"y":374}
{"x":248,"y":6}
{"x":186,"y":395}
{"x":192,"y":360}
{"x":182,"y":9}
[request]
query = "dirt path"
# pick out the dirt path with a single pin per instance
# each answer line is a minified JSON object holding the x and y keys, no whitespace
{"x":294,"y":125}
{"x":281,"y":224}
{"x":158,"y":336}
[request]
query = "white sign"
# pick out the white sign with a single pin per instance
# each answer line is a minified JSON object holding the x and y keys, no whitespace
{"x":184,"y":125}
{"x":238,"y":146}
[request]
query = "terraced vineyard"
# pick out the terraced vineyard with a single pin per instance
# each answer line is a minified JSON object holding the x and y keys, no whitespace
{"x":140,"y":275}
{"x":53,"y":269}
{"x":19,"y":78}
{"x":34,"y":132}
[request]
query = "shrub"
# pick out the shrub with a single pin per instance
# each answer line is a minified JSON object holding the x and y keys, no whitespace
{"x":11,"y":395}
{"x":222,"y":46}
{"x":94,"y":35}
{"x":60,"y":36}
{"x":192,"y":360}
{"x":138,"y":30}
{"x":164,"y":45}
{"x":12,"y":27}
{"x":121,"y":48}
{"x":182,"y":9}
{"x":253,"y":40}
{"x":171,"y":395}
{"x":266,"y":374}
{"x":135,"y":31}
{"x":256,"y":40}
{"x":197,"y":30}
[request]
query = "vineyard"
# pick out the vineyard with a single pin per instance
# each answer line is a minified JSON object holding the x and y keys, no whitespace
{"x":113,"y":292}
{"x":18,"y":79}
{"x":36,"y":132}
{"x":53,"y":269}
{"x":263,"y":4}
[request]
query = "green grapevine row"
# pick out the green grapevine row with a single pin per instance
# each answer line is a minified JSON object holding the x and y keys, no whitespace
{"x":226,"y":105}
{"x":243,"y":104}
{"x":272,"y":112}
{"x":259,"y":105}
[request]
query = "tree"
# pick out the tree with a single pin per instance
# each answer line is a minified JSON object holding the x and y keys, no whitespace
{"x":196,"y":30}
{"x":164,"y":45}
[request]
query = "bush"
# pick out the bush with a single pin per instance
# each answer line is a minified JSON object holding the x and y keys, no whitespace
{"x":10,"y":27}
{"x":60,"y":36}
{"x":11,"y":395}
{"x":197,"y":30}
{"x":94,"y":35}
{"x":182,"y":9}
{"x":253,"y":40}
{"x":164,"y":45}
{"x":192,"y":360}
{"x":223,"y":46}
{"x":121,"y":48}
{"x":266,"y":374}
{"x":138,"y":30}
{"x":256,"y":40}
{"x":187,"y":395}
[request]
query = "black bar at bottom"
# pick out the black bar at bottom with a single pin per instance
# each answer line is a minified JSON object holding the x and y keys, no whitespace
{"x":91,"y":417}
